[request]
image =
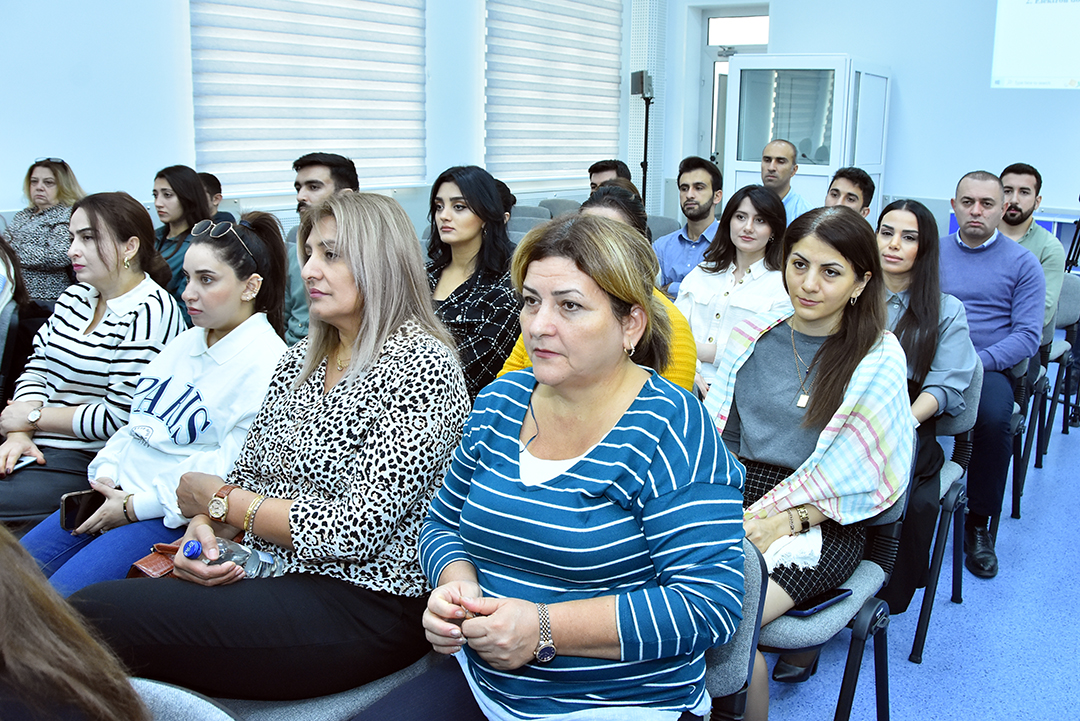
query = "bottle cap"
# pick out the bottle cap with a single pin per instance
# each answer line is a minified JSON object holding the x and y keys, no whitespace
{"x":192,"y":549}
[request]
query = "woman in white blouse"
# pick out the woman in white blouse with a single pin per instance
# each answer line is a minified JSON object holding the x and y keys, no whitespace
{"x":739,"y":276}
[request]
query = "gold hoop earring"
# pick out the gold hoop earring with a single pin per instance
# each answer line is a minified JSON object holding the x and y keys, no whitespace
{"x":127,"y":263}
{"x":630,"y":351}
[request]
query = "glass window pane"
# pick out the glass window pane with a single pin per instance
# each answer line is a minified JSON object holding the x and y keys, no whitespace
{"x":795,"y":105}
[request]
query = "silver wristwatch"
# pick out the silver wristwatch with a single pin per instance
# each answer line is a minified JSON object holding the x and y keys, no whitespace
{"x":545,"y":650}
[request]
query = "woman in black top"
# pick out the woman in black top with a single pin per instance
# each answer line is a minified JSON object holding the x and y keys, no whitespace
{"x":469,"y":271}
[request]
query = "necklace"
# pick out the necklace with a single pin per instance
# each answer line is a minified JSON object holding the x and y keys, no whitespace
{"x":804,"y":392}
{"x":535,"y":423}
{"x":342,"y":364}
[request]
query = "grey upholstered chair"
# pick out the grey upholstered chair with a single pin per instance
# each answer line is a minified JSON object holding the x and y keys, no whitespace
{"x":661,"y":225}
{"x":560,"y":206}
{"x":730,"y":667}
{"x":867,"y":615}
{"x":530,"y":211}
{"x":173,"y":703}
{"x":335,"y":707}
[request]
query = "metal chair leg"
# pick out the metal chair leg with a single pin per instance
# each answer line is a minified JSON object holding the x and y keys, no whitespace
{"x":958,"y":547}
{"x":948,"y":508}
{"x":872,"y":618}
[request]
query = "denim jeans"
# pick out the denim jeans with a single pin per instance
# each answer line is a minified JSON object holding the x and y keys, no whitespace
{"x":72,"y":562}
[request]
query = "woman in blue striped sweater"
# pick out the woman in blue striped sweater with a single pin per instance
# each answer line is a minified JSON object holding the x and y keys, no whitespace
{"x":77,"y":386}
{"x":586,"y":544}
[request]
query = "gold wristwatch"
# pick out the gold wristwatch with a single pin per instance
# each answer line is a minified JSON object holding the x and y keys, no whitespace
{"x":218,"y":507}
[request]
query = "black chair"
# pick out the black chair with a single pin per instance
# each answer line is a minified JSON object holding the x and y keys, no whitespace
{"x":953,"y":504}
{"x":867,"y":616}
{"x":9,"y":329}
{"x":1067,"y":318}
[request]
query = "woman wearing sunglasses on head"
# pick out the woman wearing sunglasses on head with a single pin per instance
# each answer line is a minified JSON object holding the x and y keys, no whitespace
{"x":39,"y":232}
{"x":192,"y":407}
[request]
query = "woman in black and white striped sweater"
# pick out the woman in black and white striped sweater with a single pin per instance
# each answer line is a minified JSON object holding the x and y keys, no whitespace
{"x":77,"y":387}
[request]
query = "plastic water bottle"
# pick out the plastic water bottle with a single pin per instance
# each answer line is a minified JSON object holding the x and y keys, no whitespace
{"x":256,"y":564}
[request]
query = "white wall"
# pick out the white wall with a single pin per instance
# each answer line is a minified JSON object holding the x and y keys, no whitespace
{"x":104,"y":85}
{"x":944,"y":118}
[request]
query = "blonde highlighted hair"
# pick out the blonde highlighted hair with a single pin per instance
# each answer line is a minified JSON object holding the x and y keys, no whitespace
{"x":378,"y":242}
{"x":68,"y":190}
{"x":618,"y":259}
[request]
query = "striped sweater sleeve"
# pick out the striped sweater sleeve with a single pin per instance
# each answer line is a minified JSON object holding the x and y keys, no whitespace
{"x":694,"y":533}
{"x":141,"y":335}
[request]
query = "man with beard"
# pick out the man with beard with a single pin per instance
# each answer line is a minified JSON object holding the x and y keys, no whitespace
{"x":318,"y":175}
{"x":700,"y":188}
{"x":777,"y":168}
{"x":1022,"y":187}
{"x":1002,"y":288}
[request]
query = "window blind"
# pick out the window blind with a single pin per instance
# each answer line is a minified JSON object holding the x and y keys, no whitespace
{"x":275,"y":79}
{"x":552,"y":86}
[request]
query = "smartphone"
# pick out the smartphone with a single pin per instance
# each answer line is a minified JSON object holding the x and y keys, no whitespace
{"x":76,"y":507}
{"x":23,"y":462}
{"x":821,"y":601}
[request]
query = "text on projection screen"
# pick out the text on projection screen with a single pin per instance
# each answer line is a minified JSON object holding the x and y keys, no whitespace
{"x":1035,"y":44}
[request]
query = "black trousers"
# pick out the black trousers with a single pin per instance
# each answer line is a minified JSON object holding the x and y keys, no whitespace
{"x":917,"y":532}
{"x":294,"y":636}
{"x":439,"y":693}
{"x":33,"y":493}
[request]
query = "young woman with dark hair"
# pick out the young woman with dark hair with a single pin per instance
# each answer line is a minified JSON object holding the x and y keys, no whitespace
{"x":932,"y":328}
{"x":469,"y":271}
{"x":78,"y":383}
{"x":740,"y":276}
{"x":51,"y":665}
{"x":845,"y":406}
{"x":192,"y":407}
{"x":181,"y":202}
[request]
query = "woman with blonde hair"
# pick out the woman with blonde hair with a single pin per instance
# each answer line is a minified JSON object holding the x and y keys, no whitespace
{"x":334,"y":480}
{"x":39,"y":232}
{"x":586,"y":545}
{"x":51,"y":665}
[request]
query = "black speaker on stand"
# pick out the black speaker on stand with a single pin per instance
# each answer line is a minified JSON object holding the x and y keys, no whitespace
{"x":641,"y":84}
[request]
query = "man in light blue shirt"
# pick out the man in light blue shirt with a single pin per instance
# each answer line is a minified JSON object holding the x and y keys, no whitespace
{"x":777,"y":168}
{"x":700,"y":189}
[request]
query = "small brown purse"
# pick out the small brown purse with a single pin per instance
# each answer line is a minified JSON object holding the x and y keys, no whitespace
{"x":158,"y":563}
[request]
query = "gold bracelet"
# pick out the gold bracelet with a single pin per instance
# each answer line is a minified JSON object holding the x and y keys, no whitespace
{"x":249,"y":517}
{"x":804,"y":518}
{"x":126,"y":516}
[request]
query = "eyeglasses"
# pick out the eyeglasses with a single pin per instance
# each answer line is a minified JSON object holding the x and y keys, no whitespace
{"x":58,"y":161}
{"x":217,"y":231}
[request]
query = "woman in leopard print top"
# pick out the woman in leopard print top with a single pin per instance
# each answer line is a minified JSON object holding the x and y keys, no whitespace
{"x":354,"y":435}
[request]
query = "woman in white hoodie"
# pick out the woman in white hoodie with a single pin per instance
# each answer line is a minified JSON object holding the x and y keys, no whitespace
{"x":191,"y":409}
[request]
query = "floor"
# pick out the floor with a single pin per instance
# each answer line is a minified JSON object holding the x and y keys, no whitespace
{"x":1006,"y":652}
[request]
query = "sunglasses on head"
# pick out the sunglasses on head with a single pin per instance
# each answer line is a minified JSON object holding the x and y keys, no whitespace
{"x":217,"y":231}
{"x":58,"y":161}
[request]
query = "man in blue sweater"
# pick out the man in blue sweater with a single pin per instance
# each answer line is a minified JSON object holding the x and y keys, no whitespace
{"x":1002,"y":288}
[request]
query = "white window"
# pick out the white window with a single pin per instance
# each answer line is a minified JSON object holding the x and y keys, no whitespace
{"x":274,"y":80}
{"x":553,"y":86}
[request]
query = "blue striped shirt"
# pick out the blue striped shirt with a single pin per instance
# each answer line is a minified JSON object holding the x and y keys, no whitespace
{"x":652,"y":515}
